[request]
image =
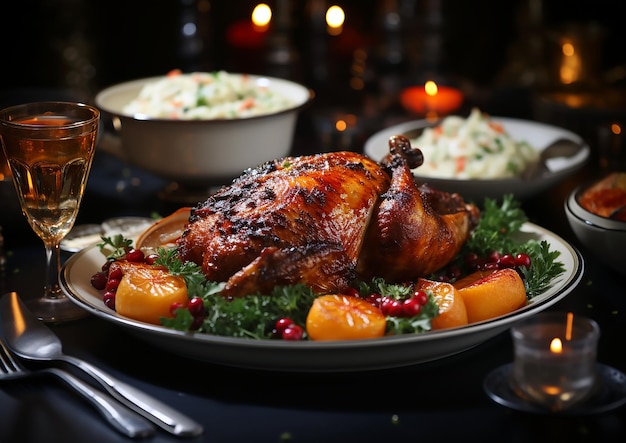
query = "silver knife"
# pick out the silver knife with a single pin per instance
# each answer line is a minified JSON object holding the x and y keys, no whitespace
{"x":31,"y":339}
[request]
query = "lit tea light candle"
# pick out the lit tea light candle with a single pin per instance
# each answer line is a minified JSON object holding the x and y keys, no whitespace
{"x":251,"y":33}
{"x":431,"y":99}
{"x":555,"y":359}
{"x":571,"y":68}
{"x":335,"y":18}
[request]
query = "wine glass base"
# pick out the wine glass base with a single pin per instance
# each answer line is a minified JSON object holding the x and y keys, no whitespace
{"x":56,"y":310}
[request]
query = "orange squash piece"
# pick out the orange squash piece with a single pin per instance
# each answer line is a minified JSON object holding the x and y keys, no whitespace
{"x":147,"y":293}
{"x":472,"y":278}
{"x":452,"y":312}
{"x":344,"y":317}
{"x":490,"y":296}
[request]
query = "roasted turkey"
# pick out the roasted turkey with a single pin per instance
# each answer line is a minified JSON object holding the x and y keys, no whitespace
{"x":326,"y":220}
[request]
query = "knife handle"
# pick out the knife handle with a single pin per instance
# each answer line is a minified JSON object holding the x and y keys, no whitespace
{"x":149,"y":407}
{"x":119,"y":416}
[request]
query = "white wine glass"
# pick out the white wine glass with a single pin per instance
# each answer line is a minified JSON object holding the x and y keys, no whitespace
{"x":49,"y":147}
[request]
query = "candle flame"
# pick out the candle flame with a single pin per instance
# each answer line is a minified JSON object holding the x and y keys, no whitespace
{"x":616,"y":128}
{"x":570,"y":69}
{"x":345,"y":121}
{"x":556,"y":346}
{"x":335,"y":16}
{"x":568,"y":326}
{"x":431,"y":88}
{"x":567,"y":49}
{"x":261,"y":15}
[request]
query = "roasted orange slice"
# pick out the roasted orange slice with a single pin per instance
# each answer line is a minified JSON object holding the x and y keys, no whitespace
{"x":495,"y":294}
{"x":146,"y":293}
{"x":452,"y":310}
{"x":344,"y":317}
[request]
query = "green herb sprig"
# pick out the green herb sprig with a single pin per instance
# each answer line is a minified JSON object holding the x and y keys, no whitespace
{"x":114,"y":247}
{"x":254,"y":316}
{"x":499,"y":229}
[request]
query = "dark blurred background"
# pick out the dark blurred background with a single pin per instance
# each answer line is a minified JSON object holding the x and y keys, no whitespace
{"x":502,"y":54}
{"x":91,"y":44}
{"x":505,"y":56}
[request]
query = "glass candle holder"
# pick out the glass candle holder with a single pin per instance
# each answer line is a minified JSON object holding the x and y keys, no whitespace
{"x":555,"y":359}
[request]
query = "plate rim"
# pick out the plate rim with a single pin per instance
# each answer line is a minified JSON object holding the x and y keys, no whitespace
{"x":559,"y":289}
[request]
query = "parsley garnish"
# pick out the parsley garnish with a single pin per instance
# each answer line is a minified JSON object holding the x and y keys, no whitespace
{"x":499,"y":230}
{"x":114,"y":247}
{"x":496,"y":227}
{"x":401,"y":325}
{"x":255,"y":315}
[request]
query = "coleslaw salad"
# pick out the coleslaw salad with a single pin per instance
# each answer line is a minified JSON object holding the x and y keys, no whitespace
{"x":206,"y":95}
{"x":472,"y":148}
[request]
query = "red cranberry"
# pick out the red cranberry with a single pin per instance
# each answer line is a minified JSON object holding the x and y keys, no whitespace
{"x":411,"y":307}
{"x":351,"y":292}
{"x":490,"y":267}
{"x":522,"y":260}
{"x":196,"y":306}
{"x":375,"y":299}
{"x":175,"y":306}
{"x":197,"y":322}
{"x":112,"y":285}
{"x":116,"y":273}
{"x":282,"y":324}
{"x":107,"y":264}
{"x":392,"y":307}
{"x":151,"y":258}
{"x":293,"y":332}
{"x":109,"y":300}
{"x":493,"y":257}
{"x":135,"y":255}
{"x":507,"y":261}
{"x":99,"y":280}
{"x":422,"y":297}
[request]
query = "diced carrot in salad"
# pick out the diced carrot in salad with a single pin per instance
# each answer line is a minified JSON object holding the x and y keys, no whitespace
{"x":471,"y":148}
{"x":206,"y":95}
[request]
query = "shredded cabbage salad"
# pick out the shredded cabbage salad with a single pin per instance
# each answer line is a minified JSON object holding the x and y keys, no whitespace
{"x":472,"y":148}
{"x":206,"y":95}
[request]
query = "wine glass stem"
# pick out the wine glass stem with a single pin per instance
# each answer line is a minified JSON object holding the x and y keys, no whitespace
{"x":52,"y":289}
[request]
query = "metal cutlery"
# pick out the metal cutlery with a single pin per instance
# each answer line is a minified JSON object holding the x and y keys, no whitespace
{"x":31,"y":339}
{"x":119,"y":416}
{"x":562,"y":147}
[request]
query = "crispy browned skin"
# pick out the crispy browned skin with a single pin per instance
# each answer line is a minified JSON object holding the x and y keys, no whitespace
{"x":325,"y":220}
{"x":415,"y":231}
{"x":298,"y":219}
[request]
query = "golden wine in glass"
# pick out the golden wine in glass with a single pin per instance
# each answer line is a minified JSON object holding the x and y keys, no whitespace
{"x":49,"y":147}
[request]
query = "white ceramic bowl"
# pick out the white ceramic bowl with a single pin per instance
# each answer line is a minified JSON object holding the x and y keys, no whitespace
{"x":203,"y":152}
{"x":603,"y":237}
{"x":539,"y":135}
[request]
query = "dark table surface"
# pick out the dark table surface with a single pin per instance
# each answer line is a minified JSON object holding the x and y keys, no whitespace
{"x":442,"y":400}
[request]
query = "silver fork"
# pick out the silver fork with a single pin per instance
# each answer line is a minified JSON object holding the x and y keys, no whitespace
{"x":119,"y":416}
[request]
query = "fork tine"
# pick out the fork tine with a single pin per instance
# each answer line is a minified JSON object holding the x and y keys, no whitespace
{"x":8,"y":364}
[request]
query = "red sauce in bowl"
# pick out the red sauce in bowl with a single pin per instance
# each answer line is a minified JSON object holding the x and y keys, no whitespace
{"x":607,"y":198}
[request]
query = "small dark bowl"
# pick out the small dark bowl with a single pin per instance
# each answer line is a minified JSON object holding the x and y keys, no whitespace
{"x":603,"y":237}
